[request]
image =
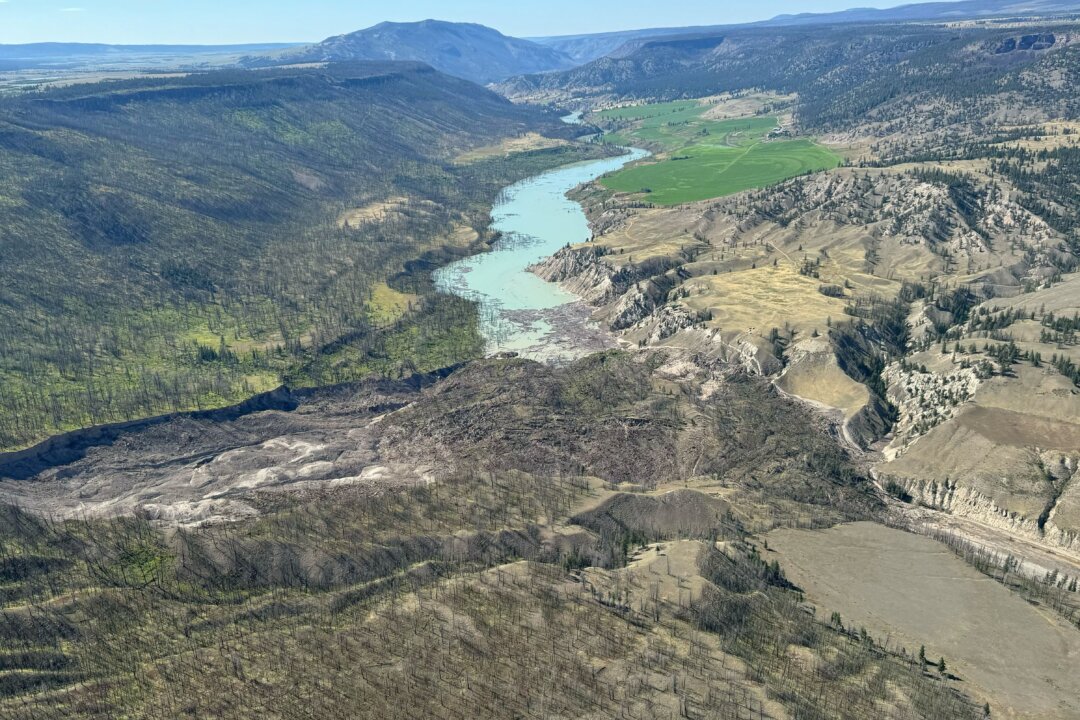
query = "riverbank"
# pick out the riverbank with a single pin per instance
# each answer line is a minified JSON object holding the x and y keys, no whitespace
{"x":519,"y":311}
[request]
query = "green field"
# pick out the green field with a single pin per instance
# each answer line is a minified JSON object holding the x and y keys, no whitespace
{"x":674,"y":125}
{"x":700,"y":159}
{"x":709,"y":171}
{"x":653,"y":117}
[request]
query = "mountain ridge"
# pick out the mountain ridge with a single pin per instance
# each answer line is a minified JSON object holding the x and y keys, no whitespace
{"x":23,"y":51}
{"x":584,"y":48}
{"x":466,"y":50}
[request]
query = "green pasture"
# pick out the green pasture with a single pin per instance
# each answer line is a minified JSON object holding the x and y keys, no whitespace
{"x":709,"y":171}
{"x":700,"y":159}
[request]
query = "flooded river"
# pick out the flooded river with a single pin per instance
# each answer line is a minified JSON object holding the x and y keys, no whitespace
{"x":520,"y":312}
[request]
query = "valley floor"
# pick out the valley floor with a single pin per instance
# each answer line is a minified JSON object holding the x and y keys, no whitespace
{"x":664,"y":530}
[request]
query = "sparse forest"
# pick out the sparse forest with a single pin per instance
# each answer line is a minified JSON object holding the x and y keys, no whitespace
{"x":448,"y":601}
{"x":499,"y":585}
{"x":179,"y":244}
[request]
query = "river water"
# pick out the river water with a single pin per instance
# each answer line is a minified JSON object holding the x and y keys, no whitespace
{"x":519,"y":312}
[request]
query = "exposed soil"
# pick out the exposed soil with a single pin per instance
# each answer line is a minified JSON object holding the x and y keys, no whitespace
{"x":913,"y":591}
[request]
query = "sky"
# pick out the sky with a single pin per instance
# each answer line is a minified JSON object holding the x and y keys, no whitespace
{"x":251,"y":21}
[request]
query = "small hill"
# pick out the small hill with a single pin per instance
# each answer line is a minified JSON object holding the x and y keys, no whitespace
{"x":465,"y":50}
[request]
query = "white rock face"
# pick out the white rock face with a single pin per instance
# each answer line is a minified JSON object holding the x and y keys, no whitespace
{"x":582,"y":272}
{"x":925,"y":400}
{"x":633,"y":307}
{"x":965,"y":502}
{"x":667,"y":321}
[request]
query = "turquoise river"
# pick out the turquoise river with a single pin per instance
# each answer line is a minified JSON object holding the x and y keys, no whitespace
{"x":520,"y":312}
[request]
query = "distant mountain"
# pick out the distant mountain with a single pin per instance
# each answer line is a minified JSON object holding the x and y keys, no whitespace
{"x":936,"y":11}
{"x":78,"y":55}
{"x":465,"y":50}
{"x":586,"y":48}
{"x":68,"y":50}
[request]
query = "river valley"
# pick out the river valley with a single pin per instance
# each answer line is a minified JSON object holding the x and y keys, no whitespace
{"x":905,"y":589}
{"x":520,"y":312}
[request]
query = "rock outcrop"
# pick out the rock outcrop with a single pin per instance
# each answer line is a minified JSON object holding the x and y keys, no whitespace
{"x":581,"y":271}
{"x":966,"y":502}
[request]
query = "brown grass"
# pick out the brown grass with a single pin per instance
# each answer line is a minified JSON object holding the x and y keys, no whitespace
{"x":509,"y":146}
{"x":911,"y":591}
{"x":818,"y":378}
{"x":372,"y":212}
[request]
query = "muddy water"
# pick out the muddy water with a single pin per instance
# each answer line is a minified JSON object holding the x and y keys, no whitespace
{"x":520,"y":312}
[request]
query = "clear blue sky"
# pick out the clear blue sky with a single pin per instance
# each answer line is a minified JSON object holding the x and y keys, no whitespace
{"x":236,"y":21}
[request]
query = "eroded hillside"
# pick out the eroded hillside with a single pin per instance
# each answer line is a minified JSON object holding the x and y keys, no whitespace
{"x":514,"y":536}
{"x":924,"y":299}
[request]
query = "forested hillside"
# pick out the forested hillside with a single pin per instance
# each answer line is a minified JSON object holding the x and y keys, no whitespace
{"x":844,"y":74}
{"x":495,"y":563}
{"x":174,"y":243}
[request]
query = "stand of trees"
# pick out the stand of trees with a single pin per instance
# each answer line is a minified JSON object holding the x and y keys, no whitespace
{"x":177,"y":243}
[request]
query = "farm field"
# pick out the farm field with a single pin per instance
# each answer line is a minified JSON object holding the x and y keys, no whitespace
{"x":699,"y":158}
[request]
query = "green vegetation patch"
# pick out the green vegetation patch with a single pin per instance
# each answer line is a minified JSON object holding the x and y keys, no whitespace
{"x":701,"y":158}
{"x":655,"y":114}
{"x":708,"y":171}
{"x":174,"y":244}
{"x":670,"y":126}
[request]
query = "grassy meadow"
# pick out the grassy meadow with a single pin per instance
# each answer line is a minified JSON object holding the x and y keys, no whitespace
{"x":698,"y":158}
